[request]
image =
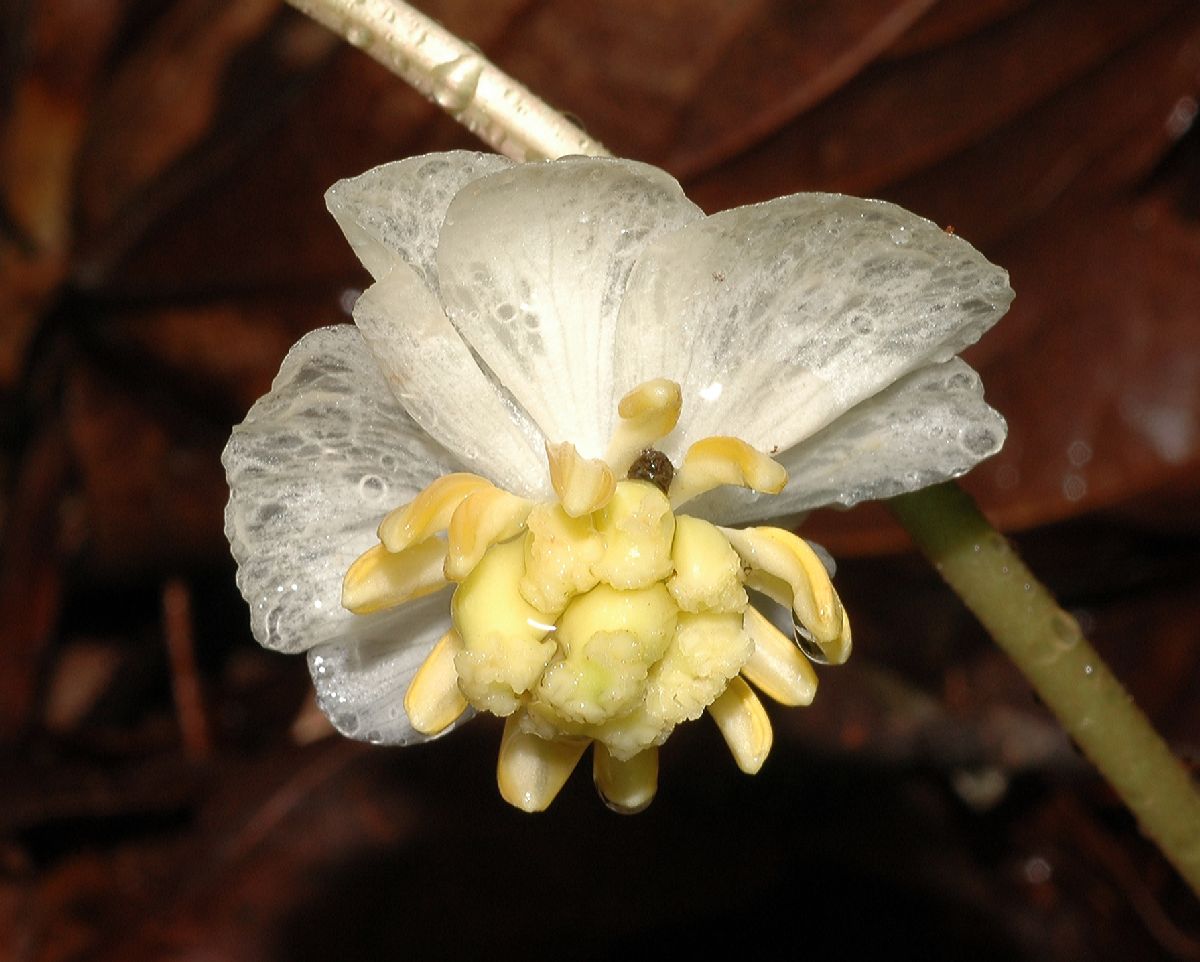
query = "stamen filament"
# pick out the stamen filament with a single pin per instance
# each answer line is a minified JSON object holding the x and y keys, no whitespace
{"x":484,"y":518}
{"x":583,"y":485}
{"x":382,"y":579}
{"x":648,"y":413}
{"x":744,"y":725}
{"x":777,"y":668}
{"x":715,"y":461}
{"x":531,"y":771}
{"x":434,"y":701}
{"x":429,"y":512}
{"x":626,"y":786}
{"x":787,"y":557}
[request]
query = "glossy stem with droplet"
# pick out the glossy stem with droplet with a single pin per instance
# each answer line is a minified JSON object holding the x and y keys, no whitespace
{"x":1066,"y":671}
{"x":455,"y":76}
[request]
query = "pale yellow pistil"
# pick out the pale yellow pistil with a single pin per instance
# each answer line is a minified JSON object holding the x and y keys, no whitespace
{"x":603,"y":617}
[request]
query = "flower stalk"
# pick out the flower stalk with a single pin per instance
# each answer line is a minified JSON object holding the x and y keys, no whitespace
{"x":455,"y":76}
{"x":1046,"y":643}
{"x":975,"y":560}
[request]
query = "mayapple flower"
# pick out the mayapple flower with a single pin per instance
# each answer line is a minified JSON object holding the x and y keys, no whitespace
{"x":525,"y":480}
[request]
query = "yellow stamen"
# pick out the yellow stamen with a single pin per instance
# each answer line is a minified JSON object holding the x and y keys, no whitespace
{"x":504,"y":637}
{"x":708,"y":573}
{"x":608,"y":640}
{"x":429,"y":512}
{"x":602,"y":618}
{"x":485,"y":517}
{"x":433,"y":700}
{"x":559,"y":554}
{"x":583,"y":485}
{"x":744,"y":724}
{"x":719,"y":460}
{"x":784,"y":556}
{"x":531,"y":771}
{"x":648,"y":413}
{"x":777,"y":668}
{"x":626,"y":786}
{"x":637,"y":526}
{"x":382,"y":579}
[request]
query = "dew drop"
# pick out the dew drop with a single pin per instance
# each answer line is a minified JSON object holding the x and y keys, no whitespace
{"x":372,"y":487}
{"x":456,"y":81}
{"x":1038,"y":871}
{"x":617,"y":806}
{"x":978,"y":441}
{"x":807,"y":643}
{"x":1074,"y":487}
{"x":358,"y":36}
{"x":274,"y":617}
{"x":268,"y":512}
{"x":1065,"y":631}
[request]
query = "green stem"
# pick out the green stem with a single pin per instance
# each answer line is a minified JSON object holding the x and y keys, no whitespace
{"x":1065,"y":670}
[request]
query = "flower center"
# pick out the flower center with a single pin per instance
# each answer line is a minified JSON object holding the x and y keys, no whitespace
{"x":614,"y":626}
{"x":604,"y":616}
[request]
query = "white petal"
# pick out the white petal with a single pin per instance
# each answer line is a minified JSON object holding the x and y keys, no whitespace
{"x":397,"y":209}
{"x":437,"y":380}
{"x":533,"y":264}
{"x":931,"y":426}
{"x":312,"y":470}
{"x":778,"y":317}
{"x":361,"y":679}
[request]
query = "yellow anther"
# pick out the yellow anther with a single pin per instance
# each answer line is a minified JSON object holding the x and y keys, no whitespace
{"x":433,"y":700}
{"x":602,"y":618}
{"x":744,"y":724}
{"x":504,"y":651}
{"x":429,"y":512}
{"x":559,"y":554}
{"x":637,"y":526}
{"x":531,"y":771}
{"x":608,"y":641}
{"x":647,"y":614}
{"x":485,"y":517}
{"x":719,"y":460}
{"x":777,"y":668}
{"x":708,"y":650}
{"x":626,"y":786}
{"x":382,"y":579}
{"x":648,"y":413}
{"x":708,"y":573}
{"x":784,"y":556}
{"x":583,"y":485}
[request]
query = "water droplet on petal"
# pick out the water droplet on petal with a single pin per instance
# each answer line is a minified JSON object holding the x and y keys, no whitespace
{"x":980,"y":441}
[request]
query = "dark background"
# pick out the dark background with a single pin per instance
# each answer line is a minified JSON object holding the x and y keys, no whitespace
{"x":168,"y":790}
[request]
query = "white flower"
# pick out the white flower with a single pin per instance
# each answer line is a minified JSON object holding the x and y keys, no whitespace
{"x":470,"y":420}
